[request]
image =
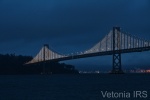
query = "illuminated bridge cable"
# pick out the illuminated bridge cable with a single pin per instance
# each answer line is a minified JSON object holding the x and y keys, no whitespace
{"x":115,"y":42}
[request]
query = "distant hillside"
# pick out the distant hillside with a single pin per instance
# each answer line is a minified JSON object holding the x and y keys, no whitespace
{"x":13,"y":64}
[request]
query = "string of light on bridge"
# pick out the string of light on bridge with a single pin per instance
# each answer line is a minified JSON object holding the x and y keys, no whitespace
{"x":125,"y":41}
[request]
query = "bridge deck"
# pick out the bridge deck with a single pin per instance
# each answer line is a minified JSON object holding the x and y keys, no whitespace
{"x":98,"y":54}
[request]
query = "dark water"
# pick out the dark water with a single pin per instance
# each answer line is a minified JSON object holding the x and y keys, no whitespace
{"x":70,"y":87}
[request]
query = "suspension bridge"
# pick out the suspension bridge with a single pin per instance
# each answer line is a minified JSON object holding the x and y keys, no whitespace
{"x":114,"y":43}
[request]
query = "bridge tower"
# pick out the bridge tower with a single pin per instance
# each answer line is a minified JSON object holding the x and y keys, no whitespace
{"x":117,"y":67}
{"x":44,"y":57}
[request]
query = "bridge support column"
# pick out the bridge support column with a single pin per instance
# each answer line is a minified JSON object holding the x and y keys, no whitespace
{"x":44,"y":71}
{"x":117,"y":67}
{"x":44,"y":58}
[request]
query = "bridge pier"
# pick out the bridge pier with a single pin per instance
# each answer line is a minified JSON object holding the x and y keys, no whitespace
{"x":44,"y":58}
{"x":117,"y":67}
{"x":44,"y":71}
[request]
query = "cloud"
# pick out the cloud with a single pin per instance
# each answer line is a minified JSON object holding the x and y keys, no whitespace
{"x":40,"y":19}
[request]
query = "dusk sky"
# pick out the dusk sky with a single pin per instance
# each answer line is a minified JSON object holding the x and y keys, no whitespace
{"x":71,"y":26}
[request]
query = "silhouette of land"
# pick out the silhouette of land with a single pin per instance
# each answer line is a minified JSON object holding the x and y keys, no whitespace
{"x":11,"y":64}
